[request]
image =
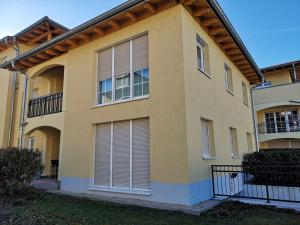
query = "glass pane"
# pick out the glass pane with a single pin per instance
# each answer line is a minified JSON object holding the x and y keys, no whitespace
{"x":108,"y":85}
{"x":137,"y":90}
{"x":118,"y":94}
{"x":102,"y":86}
{"x":101,"y":98}
{"x":138,"y":77}
{"x":108,"y":96}
{"x":146,"y":88}
{"x":199,"y":57}
{"x":145,"y":75}
{"x":126,"y":92}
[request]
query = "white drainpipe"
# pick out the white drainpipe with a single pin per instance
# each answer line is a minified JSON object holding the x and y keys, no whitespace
{"x":254,"y":119}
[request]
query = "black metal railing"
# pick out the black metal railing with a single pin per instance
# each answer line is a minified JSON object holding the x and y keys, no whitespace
{"x":279,"y":127}
{"x":45,"y":105}
{"x":274,"y":181}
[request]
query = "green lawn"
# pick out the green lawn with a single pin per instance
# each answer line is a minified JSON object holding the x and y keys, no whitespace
{"x":52,"y":209}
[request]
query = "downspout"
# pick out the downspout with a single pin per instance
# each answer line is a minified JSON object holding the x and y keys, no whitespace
{"x":294,"y":72}
{"x":15,"y":46}
{"x":254,"y":119}
{"x":22,"y":124}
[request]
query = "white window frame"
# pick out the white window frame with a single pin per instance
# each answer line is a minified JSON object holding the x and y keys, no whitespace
{"x":30,"y":140}
{"x":227,"y":69}
{"x":111,"y":188}
{"x":202,"y":61}
{"x":245,"y":93}
{"x":233,"y":150}
{"x":210,"y":135}
{"x":101,"y":92}
{"x":113,"y":76}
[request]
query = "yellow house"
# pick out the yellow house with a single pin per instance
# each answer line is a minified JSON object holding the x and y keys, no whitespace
{"x":137,"y":102}
{"x":277,"y":104}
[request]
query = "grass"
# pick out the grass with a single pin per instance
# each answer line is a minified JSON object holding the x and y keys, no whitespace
{"x":48,"y":209}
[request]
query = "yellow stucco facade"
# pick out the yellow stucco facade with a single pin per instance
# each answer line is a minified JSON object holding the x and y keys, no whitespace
{"x":180,"y":96}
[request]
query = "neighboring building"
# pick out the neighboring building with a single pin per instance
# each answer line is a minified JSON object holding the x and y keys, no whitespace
{"x":277,"y":103}
{"x":137,"y":102}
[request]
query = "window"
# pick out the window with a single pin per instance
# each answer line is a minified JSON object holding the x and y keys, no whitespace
{"x":249,"y":142}
{"x":141,"y":83}
{"x":105,"y":91}
{"x":281,"y":121}
{"x":31,"y":141}
{"x":207,"y":139}
{"x":122,"y":89}
{"x":228,"y":79}
{"x":245,"y":93}
{"x":123,"y":72}
{"x":122,"y":156}
{"x":234,"y":142}
{"x":202,"y":55}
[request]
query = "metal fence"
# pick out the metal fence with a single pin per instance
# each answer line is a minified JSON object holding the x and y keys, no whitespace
{"x":274,"y":181}
{"x":45,"y":105}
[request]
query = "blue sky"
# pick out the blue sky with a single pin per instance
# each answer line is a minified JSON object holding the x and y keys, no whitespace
{"x":270,"y":29}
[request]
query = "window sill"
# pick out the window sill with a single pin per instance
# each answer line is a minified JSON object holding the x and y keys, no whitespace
{"x":206,"y":74}
{"x":121,"y":190}
{"x":230,"y":92}
{"x":122,"y":101}
{"x":235,"y":157}
{"x":209,"y":157}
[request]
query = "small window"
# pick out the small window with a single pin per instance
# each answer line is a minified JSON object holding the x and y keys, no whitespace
{"x":228,"y":79}
{"x":207,"y":139}
{"x":141,"y":83}
{"x":202,"y":56}
{"x":122,"y":89}
{"x":245,"y":93}
{"x":31,"y":143}
{"x":234,"y":142}
{"x":105,"y":91}
{"x":249,"y":142}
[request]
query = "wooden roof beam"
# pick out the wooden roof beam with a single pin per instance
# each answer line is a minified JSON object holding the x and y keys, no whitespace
{"x":228,"y":45}
{"x":241,"y":62}
{"x":189,"y":2}
{"x":113,"y":24}
{"x":216,"y":30}
{"x":61,"y":48}
{"x":34,"y":59}
{"x":71,"y":43}
{"x":209,"y":21}
{"x":42,"y":56}
{"x":98,"y":31}
{"x":237,"y":57}
{"x":84,"y":37}
{"x":38,"y":38}
{"x":233,"y":51}
{"x":201,"y":11}
{"x":26,"y":63}
{"x":52,"y":52}
{"x":246,"y":66}
{"x":222,"y":38}
{"x":247,"y":71}
{"x":149,"y":7}
{"x":131,"y":16}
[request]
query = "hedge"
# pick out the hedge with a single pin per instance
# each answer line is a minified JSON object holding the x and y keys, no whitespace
{"x":280,"y":167}
{"x":17,"y":170}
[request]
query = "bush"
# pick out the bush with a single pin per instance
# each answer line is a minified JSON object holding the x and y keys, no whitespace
{"x":280,"y":167}
{"x":17,"y":170}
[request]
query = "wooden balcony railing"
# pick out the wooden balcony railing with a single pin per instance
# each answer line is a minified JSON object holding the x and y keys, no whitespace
{"x":45,"y":105}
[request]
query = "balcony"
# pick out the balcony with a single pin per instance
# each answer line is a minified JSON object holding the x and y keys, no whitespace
{"x":279,"y":127}
{"x":45,"y":105}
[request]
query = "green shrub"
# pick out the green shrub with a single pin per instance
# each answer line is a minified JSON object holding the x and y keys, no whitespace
{"x":280,"y":167}
{"x":17,"y":170}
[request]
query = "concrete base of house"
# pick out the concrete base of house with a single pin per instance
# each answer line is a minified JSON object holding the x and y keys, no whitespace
{"x":169,"y":193}
{"x":278,"y":204}
{"x":193,"y":210}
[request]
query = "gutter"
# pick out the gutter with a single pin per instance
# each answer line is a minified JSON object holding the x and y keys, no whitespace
{"x":223,"y":18}
{"x":123,"y":7}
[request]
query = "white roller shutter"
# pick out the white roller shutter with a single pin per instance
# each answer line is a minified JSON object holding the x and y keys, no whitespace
{"x":140,"y":52}
{"x":140,"y":154}
{"x":102,"y":154}
{"x":122,"y":58}
{"x":105,"y":64}
{"x":121,"y":155}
